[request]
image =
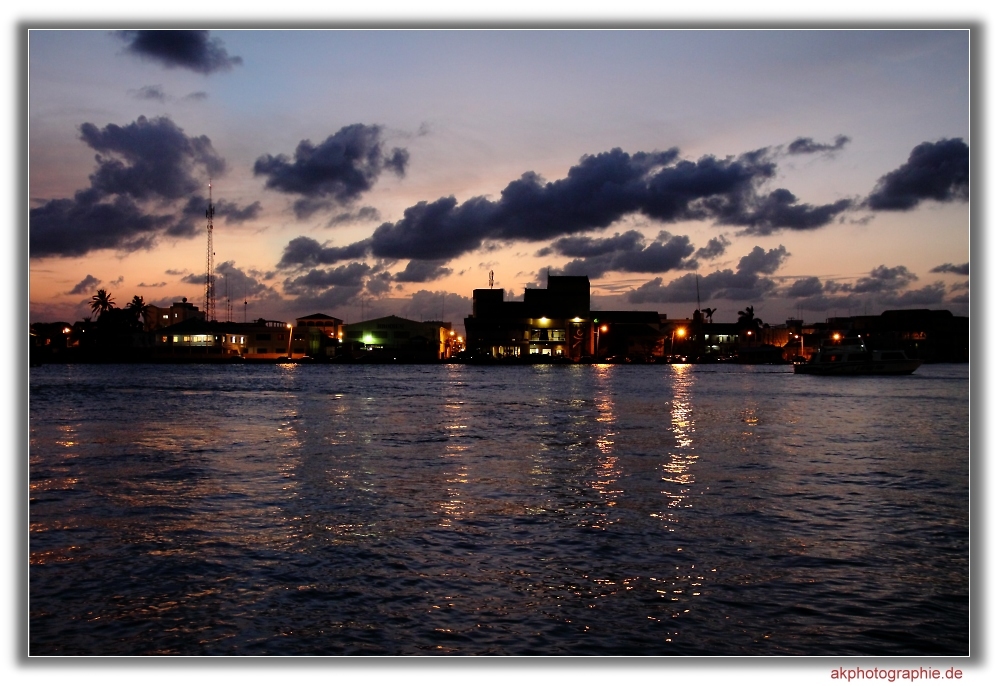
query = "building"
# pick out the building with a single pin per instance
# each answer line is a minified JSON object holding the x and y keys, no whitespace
{"x":632,"y":335}
{"x":160,"y":317}
{"x":394,"y":338}
{"x":553,"y":321}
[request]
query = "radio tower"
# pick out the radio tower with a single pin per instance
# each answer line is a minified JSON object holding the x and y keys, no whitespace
{"x":210,"y":265}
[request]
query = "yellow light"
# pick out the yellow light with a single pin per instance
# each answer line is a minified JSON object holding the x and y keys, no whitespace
{"x":289,"y":326}
{"x":544,"y":320}
{"x":452,"y":333}
{"x":681,"y":332}
{"x":603,"y":328}
{"x":835,"y":336}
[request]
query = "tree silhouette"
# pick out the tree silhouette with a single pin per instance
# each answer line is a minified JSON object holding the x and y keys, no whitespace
{"x":709,"y":312}
{"x":137,"y":307}
{"x":748,"y":318}
{"x":101,"y":303}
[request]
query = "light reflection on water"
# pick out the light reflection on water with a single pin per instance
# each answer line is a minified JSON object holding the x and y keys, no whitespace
{"x":556,"y":510}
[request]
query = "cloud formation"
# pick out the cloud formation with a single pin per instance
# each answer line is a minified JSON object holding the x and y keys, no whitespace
{"x":746,"y":283}
{"x":143,"y":169}
{"x":934,"y":171}
{"x":625,"y":252}
{"x":807,"y":146}
{"x":422,"y":271}
{"x":597,"y":192}
{"x":883,"y":286}
{"x":193,"y":50}
{"x":150,"y":93}
{"x":335,"y":172}
{"x":85,"y":286}
{"x":308,"y":252}
{"x":948,"y":268}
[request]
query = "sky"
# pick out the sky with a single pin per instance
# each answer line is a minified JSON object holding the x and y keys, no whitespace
{"x":809,"y":173}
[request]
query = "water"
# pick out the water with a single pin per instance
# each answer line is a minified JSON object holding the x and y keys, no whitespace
{"x":640,"y":510}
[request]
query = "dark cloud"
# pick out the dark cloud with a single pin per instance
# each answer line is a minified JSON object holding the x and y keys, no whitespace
{"x":781,"y":210}
{"x":335,"y":172}
{"x":437,"y":305}
{"x":149,"y":158}
{"x":150,"y":93}
{"x":884,"y":279}
{"x":193,"y":50}
{"x":948,"y":268}
{"x":152,"y":285}
{"x":421,"y":271}
{"x":806,"y":287}
{"x":883,"y":286}
{"x":196,"y":96}
{"x":175,"y":272}
{"x":760,"y":261}
{"x":934,"y":171}
{"x":308,"y":252}
{"x":365,"y":214}
{"x":927,"y":295}
{"x":143,"y":170}
{"x":317,"y":280}
{"x":70,"y":228}
{"x":119,"y":281}
{"x":231,"y":213}
{"x":379,"y":284}
{"x":806,"y":146}
{"x":192,"y":221}
{"x":597,"y":192}
{"x":585,"y":246}
{"x":714,"y":248}
{"x":623,"y":253}
{"x":240,"y":284}
{"x":746,"y":283}
{"x":85,"y":286}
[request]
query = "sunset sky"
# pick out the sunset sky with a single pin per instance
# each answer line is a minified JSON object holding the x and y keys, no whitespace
{"x":812,"y":173}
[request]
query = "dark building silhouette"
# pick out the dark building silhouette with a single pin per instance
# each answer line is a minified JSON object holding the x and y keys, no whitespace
{"x":553,"y":321}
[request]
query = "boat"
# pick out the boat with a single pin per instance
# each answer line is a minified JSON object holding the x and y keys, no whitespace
{"x":851,"y":357}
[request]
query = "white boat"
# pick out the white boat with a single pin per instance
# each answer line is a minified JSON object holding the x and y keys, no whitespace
{"x":850,"y":357}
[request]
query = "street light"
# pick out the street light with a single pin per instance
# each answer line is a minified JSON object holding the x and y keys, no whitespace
{"x":676,"y":332}
{"x":599,"y":329}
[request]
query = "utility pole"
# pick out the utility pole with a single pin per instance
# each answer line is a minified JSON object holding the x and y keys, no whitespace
{"x":210,"y":263}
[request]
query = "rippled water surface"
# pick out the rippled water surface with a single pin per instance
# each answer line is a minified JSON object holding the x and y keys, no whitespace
{"x":480,"y":510}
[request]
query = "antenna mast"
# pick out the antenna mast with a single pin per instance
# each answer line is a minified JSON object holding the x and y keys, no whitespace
{"x":490,"y":278}
{"x":698,"y":286}
{"x":210,"y":263}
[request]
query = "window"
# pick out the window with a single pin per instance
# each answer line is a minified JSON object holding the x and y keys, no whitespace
{"x":263,"y":337}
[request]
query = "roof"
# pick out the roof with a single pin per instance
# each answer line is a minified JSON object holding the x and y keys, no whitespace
{"x":317,"y":315}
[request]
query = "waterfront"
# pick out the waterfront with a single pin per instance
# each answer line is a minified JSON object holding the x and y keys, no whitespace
{"x":716,"y":509}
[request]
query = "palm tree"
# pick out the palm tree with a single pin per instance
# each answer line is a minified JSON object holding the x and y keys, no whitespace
{"x":709,"y":312}
{"x":748,"y":318}
{"x":102,"y":302}
{"x":137,"y":307}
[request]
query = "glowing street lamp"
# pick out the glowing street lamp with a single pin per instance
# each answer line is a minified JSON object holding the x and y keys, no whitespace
{"x":681,"y":332}
{"x":599,"y":329}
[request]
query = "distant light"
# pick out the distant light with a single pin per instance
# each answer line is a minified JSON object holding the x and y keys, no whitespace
{"x":681,"y":332}
{"x":836,"y":336}
{"x":577,"y":319}
{"x":603,"y":328}
{"x":544,"y":320}
{"x":452,"y":333}
{"x":289,"y":326}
